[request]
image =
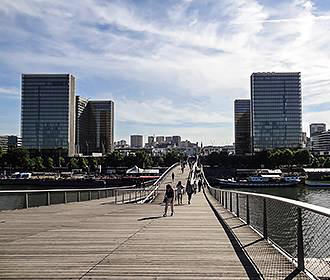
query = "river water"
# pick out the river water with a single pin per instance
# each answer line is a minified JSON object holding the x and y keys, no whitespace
{"x":316,"y":196}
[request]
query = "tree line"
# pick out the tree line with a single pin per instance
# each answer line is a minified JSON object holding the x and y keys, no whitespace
{"x":267,"y":159}
{"x":21,"y":159}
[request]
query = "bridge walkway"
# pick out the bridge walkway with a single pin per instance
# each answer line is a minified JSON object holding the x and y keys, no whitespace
{"x":100,"y":240}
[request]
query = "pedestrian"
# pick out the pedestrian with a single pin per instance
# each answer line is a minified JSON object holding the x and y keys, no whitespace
{"x":195,"y":187}
{"x":179,"y":192}
{"x":169,"y":199}
{"x":173,"y":176}
{"x":200,"y":183}
{"x":189,"y":191}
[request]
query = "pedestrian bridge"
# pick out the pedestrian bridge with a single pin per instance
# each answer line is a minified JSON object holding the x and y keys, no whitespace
{"x":109,"y":238}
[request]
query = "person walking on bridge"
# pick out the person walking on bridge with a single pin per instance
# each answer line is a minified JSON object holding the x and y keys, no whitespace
{"x":179,"y":192}
{"x":189,"y":191}
{"x":173,"y":176}
{"x":169,"y":199}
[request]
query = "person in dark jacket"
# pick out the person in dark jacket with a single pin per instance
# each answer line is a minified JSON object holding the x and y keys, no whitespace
{"x":169,"y":199}
{"x":189,"y":191}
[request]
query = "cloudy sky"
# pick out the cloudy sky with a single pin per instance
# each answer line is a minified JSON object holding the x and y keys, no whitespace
{"x":172,"y":67}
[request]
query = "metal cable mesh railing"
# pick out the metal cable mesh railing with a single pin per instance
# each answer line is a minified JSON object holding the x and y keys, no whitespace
{"x":299,"y":231}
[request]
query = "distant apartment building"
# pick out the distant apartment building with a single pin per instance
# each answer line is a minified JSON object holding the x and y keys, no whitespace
{"x":48,"y":111}
{"x":320,"y":143}
{"x":160,"y":139}
{"x":136,"y":141}
{"x":176,"y":140}
{"x":276,"y":111}
{"x":121,"y":144}
{"x":168,"y":139}
{"x":242,"y":126}
{"x":95,"y":126}
{"x":317,"y":128}
{"x":8,"y":142}
{"x":151,"y":140}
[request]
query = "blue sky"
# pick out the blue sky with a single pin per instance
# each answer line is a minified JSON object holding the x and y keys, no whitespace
{"x":172,"y":67}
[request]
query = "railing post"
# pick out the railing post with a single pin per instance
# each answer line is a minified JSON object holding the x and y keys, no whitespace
{"x":130,"y":196}
{"x":226,"y":202}
{"x":26,"y":200}
{"x":237,"y":205}
{"x":78,"y":196}
{"x":135,"y":192}
{"x":122,"y":198}
{"x":98,"y":194}
{"x":65,"y":198}
{"x":247,"y":210}
{"x":300,"y":241}
{"x":116,"y":192}
{"x":231,"y":202}
{"x":89,"y":195}
{"x":265,"y":231}
{"x":48,"y":198}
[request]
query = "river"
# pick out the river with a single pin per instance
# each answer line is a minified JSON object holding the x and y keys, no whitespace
{"x":316,"y":196}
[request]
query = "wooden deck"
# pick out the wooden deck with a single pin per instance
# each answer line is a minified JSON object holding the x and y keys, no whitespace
{"x":100,"y":240}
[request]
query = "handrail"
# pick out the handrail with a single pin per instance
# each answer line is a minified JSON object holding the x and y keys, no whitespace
{"x":306,"y":244}
{"x":64,"y":190}
{"x":311,"y":207}
{"x":157,"y":185}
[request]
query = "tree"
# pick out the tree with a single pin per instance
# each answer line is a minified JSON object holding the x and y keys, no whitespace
{"x":39,"y":164}
{"x":18,"y":158}
{"x":50,"y":163}
{"x":143,"y":159}
{"x":61,"y":161}
{"x":114,"y":159}
{"x":301,"y":157}
{"x":73,"y":163}
{"x":83,"y":163}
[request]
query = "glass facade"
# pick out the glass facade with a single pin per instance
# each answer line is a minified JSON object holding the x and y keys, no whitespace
{"x":276,"y":111}
{"x":242,"y":126}
{"x":95,"y":126}
{"x":48,"y":111}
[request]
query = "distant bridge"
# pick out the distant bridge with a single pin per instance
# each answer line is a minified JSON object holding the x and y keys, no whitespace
{"x":119,"y":234}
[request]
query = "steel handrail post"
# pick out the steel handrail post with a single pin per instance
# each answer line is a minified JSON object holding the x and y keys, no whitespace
{"x":265,"y":231}
{"x":300,"y":241}
{"x":247,"y":210}
{"x":237,"y":205}
{"x":230,"y":202}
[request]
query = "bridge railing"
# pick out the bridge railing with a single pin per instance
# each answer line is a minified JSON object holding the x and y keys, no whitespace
{"x":300,"y":231}
{"x":144,"y":195}
{"x":18,"y":199}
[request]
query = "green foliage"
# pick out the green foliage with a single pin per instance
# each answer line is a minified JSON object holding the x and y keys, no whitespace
{"x":38,"y":164}
{"x":73,"y":163}
{"x":61,"y":161}
{"x":18,"y":158}
{"x":114,"y":159}
{"x":49,"y":164}
{"x":83,"y":163}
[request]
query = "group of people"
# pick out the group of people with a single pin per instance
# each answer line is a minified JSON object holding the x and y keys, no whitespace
{"x":177,"y":193}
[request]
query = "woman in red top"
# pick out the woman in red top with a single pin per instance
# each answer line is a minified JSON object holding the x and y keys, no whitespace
{"x":169,"y":199}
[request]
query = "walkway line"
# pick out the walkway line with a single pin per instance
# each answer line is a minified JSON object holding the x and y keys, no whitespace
{"x":115,"y":249}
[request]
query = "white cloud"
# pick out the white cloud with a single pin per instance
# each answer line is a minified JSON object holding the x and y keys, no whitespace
{"x":184,"y":49}
{"x":9,"y":92}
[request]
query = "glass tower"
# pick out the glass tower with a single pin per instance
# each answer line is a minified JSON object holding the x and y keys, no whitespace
{"x":275,"y":111}
{"x":48,"y":111}
{"x":242,"y":126}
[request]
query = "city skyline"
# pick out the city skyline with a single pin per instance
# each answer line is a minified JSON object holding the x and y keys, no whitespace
{"x":172,"y":68}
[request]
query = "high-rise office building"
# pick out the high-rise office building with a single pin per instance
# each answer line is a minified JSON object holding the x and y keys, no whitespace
{"x":317,"y":128}
{"x":242,"y":126}
{"x":48,"y":111}
{"x":275,"y":111}
{"x":136,"y":141}
{"x":81,"y":124}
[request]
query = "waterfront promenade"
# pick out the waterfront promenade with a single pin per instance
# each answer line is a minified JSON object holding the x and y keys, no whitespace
{"x":101,"y":240}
